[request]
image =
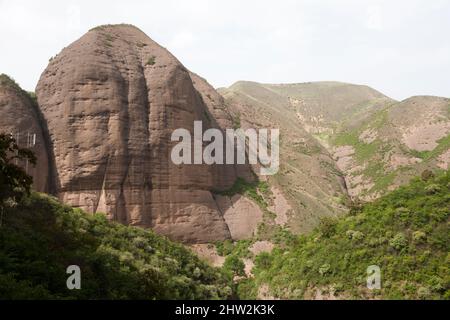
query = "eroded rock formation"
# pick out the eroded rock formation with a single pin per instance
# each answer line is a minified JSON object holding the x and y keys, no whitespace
{"x":111,"y":101}
{"x":20,"y":117}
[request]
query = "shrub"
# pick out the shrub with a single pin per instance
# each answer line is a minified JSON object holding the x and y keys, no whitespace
{"x":109,"y":37}
{"x":151,"y":61}
{"x":398,"y":242}
{"x":117,"y":261}
{"x":432,"y":188}
{"x":224,"y":248}
{"x":326,"y":257}
{"x":327,"y":226}
{"x":423,"y":293}
{"x":236,"y":122}
{"x":419,"y":236}
{"x":402,"y":213}
{"x":324,"y":269}
{"x":234,"y":265}
{"x":427,"y":175}
{"x":263,"y":260}
{"x":355,"y":235}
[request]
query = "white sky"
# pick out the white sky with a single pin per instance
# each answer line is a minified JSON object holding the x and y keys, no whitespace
{"x":400,"y":47}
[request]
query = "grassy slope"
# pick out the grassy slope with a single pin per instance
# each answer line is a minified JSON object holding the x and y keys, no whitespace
{"x":372,"y":156}
{"x":369,"y":155}
{"x":405,"y":233}
{"x":40,"y":237}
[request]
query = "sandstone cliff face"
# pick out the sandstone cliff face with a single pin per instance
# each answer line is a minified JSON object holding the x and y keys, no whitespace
{"x":19,"y":117}
{"x":111,"y":101}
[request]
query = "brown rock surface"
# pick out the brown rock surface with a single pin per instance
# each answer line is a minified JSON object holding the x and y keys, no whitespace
{"x":112,"y":100}
{"x":19,"y":116}
{"x":241,"y":215}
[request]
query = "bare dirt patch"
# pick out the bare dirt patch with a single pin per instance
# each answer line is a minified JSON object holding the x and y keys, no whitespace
{"x":368,"y":136}
{"x":398,"y":160}
{"x":444,"y":160}
{"x":261,"y":246}
{"x":343,"y":156}
{"x":208,"y":252}
{"x":280,"y":206}
{"x":248,"y":267}
{"x":425,"y":137}
{"x":264,"y":293}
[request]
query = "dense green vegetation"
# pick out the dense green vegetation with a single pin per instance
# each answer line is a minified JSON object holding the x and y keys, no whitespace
{"x":14,"y":182}
{"x":405,"y":233}
{"x":6,"y":80}
{"x":40,"y":238}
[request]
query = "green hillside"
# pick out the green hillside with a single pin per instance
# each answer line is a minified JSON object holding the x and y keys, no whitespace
{"x":381,"y":158}
{"x":40,"y":238}
{"x":405,"y":233}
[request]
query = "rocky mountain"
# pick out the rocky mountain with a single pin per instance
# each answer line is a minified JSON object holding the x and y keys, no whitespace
{"x":393,"y":145}
{"x":318,"y":106}
{"x":111,"y":101}
{"x":308,"y":176}
{"x":108,"y":103}
{"x":376,"y":142}
{"x":20,"y":116}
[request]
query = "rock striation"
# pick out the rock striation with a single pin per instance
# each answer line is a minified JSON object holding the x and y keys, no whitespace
{"x":111,"y":101}
{"x":20,"y":117}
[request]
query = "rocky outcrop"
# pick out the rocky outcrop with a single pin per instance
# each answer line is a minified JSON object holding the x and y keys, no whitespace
{"x":20,"y":117}
{"x":241,"y":215}
{"x":111,"y":101}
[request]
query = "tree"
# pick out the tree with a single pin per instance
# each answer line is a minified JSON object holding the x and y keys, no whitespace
{"x":234,"y":265}
{"x":427,"y":175}
{"x":14,"y":181}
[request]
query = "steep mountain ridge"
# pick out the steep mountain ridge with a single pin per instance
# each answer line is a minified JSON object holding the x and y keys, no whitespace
{"x":376,"y":142}
{"x":319,"y":106}
{"x":308,"y":176}
{"x":111,"y":101}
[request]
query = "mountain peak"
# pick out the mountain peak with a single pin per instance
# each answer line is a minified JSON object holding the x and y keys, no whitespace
{"x":111,"y":101}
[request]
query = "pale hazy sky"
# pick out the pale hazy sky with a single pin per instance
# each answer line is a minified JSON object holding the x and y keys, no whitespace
{"x":400,"y":47}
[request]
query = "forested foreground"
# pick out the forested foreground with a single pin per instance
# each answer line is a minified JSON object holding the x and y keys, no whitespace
{"x":405,"y":233}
